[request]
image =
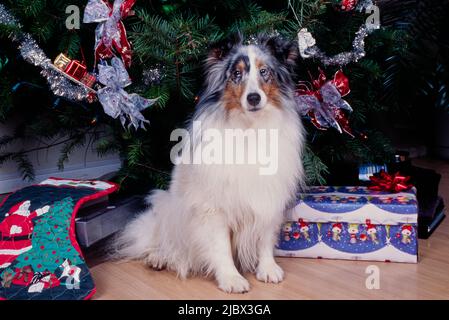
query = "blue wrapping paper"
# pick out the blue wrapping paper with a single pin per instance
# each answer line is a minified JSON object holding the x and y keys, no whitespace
{"x":352,"y":223}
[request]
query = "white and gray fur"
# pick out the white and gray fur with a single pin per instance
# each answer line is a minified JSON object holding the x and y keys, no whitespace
{"x":225,"y":219}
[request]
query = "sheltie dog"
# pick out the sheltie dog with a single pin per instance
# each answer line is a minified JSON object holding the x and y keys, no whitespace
{"x":223,"y":218}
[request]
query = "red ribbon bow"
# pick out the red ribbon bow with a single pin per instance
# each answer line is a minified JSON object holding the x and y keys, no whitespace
{"x":341,"y":84}
{"x":110,"y":34}
{"x":383,"y":181}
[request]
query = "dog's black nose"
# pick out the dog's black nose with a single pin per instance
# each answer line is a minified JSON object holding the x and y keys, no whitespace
{"x":253,"y":99}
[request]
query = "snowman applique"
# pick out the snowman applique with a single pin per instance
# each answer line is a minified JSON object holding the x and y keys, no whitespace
{"x":406,"y":232}
{"x":336,"y":231}
{"x":372,"y":232}
{"x":304,"y":229}
{"x":287,"y":230}
{"x":353,"y":230}
{"x":16,"y":231}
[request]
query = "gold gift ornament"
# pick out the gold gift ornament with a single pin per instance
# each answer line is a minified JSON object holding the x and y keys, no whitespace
{"x":61,"y":61}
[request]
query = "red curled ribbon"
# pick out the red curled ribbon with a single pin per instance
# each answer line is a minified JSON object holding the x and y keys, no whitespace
{"x":340,"y":82}
{"x":384,"y":181}
{"x":110,"y":34}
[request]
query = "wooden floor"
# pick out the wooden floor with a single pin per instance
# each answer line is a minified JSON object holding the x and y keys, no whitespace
{"x":305,"y":278}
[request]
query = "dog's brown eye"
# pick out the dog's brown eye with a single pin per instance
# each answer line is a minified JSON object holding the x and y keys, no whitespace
{"x":237,"y":74}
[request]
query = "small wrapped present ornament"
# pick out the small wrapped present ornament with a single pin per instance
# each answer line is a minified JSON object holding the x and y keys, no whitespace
{"x":61,"y":61}
{"x":352,"y":223}
{"x":76,"y":69}
{"x":88,"y":79}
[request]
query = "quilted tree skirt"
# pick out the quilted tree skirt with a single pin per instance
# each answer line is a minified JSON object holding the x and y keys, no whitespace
{"x":39,"y":255}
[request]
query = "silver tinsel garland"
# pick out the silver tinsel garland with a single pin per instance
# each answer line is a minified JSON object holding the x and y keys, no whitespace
{"x":8,"y":19}
{"x":343,"y":58}
{"x":32,"y":53}
{"x":309,"y":49}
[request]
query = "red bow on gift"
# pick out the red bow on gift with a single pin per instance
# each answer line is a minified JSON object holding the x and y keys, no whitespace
{"x":383,"y":181}
{"x":110,"y":33}
{"x":323,"y":104}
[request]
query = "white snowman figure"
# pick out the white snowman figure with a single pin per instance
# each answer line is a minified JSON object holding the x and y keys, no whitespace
{"x":372,"y":232}
{"x":353,"y":230}
{"x":406,"y":232}
{"x":336,"y":231}
{"x":304,"y":229}
{"x":287,"y":229}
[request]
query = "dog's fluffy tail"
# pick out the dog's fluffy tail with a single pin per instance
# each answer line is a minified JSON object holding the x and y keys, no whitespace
{"x":140,"y":238}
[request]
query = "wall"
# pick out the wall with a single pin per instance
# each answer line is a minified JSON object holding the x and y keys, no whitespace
{"x":83,"y":164}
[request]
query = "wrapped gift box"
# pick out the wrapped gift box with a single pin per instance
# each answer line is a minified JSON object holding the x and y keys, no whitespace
{"x":352,"y":223}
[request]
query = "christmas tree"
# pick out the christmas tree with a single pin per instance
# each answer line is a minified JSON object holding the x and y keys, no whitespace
{"x":170,"y":39}
{"x":51,"y":244}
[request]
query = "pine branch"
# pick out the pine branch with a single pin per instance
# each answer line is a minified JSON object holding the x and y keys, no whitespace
{"x":70,"y":43}
{"x":23,"y":163}
{"x":5,"y":98}
{"x":314,"y":168}
{"x":31,"y":8}
{"x":5,"y":140}
{"x":106,"y":146}
{"x":24,"y":166}
{"x":135,"y":152}
{"x":74,"y":143}
{"x":261,"y":22}
{"x":161,"y":91}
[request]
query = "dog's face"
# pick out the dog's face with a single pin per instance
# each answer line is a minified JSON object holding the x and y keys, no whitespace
{"x":250,"y":82}
{"x":251,"y":78}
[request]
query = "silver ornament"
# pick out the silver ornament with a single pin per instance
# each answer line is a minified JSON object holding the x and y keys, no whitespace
{"x":154,"y":75}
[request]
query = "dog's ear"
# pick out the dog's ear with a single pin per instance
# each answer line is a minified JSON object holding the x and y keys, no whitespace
{"x":219,"y":50}
{"x":285,"y":51}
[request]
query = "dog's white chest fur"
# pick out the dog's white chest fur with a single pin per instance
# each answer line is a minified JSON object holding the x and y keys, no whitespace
{"x":255,"y":186}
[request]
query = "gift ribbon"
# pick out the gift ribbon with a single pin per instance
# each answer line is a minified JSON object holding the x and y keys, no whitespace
{"x":116,"y":102}
{"x":110,"y":33}
{"x":383,"y":181}
{"x":323,"y":102}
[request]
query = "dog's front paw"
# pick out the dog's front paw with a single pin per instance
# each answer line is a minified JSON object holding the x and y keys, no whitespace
{"x":270,"y":273}
{"x":234,"y":283}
